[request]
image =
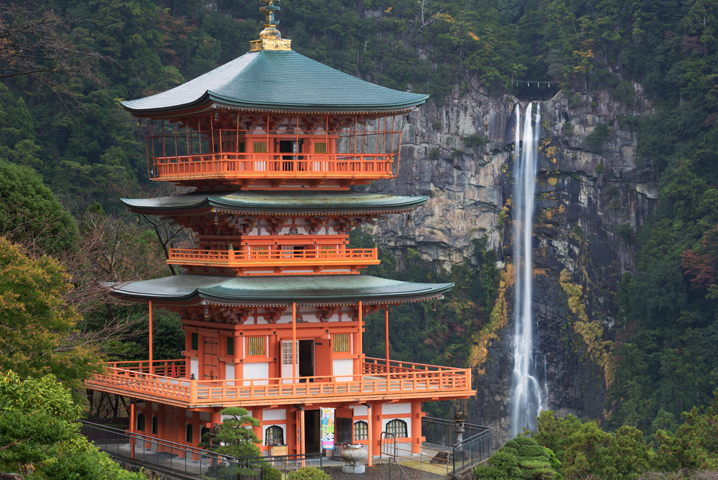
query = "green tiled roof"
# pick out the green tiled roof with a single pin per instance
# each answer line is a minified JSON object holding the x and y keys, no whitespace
{"x":292,"y":202}
{"x":278,"y":81}
{"x":279,"y":290}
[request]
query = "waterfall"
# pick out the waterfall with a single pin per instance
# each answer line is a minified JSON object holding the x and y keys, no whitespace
{"x":528,"y":397}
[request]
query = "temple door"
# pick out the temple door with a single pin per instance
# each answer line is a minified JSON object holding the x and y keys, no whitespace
{"x":211,"y":358}
{"x":287,"y":361}
{"x":323,"y":359}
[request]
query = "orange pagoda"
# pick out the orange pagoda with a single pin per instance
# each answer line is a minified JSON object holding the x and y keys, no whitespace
{"x":271,"y":299}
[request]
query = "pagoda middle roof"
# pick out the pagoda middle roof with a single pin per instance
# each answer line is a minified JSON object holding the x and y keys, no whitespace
{"x":294,"y":202}
{"x":277,"y":81}
{"x":278,"y":290}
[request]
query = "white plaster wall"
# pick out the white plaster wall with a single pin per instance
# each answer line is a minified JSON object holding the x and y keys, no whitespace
{"x":194,"y":367}
{"x":396,"y":408}
{"x":343,"y":366}
{"x":269,"y":415}
{"x":229,"y":373}
{"x":256,"y":370}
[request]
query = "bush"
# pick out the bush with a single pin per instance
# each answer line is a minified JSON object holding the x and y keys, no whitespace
{"x":598,"y":137}
{"x":531,"y":451}
{"x":308,"y":473}
{"x":475,"y":141}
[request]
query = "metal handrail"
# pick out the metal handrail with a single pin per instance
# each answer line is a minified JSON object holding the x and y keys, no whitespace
{"x":91,"y":430}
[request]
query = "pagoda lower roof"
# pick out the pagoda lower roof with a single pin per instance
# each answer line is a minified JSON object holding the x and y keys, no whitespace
{"x":278,"y":290}
{"x":278,"y":203}
{"x":276,"y":81}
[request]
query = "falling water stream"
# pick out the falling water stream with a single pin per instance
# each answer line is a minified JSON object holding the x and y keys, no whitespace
{"x":528,"y":396}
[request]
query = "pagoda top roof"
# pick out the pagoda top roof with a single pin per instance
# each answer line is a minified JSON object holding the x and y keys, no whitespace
{"x":278,"y":290}
{"x":293,"y":202}
{"x":276,"y":81}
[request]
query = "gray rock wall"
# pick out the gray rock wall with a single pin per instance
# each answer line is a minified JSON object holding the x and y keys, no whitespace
{"x":591,"y":200}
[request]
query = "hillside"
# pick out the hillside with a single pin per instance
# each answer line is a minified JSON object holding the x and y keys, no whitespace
{"x":628,"y":187}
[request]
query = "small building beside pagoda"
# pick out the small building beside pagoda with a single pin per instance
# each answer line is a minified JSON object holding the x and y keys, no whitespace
{"x":271,"y":298}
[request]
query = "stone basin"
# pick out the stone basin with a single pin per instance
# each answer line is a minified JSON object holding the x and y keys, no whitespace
{"x":352,"y":455}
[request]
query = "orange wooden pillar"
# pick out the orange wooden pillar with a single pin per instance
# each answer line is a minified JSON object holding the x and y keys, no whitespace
{"x":360,"y":346}
{"x":132,"y":428}
{"x":416,"y":438}
{"x":370,"y":462}
{"x":376,"y":430}
{"x":151,"y":369}
{"x":258,"y":415}
{"x":294,"y":346}
{"x":386,"y":331}
{"x":302,"y":435}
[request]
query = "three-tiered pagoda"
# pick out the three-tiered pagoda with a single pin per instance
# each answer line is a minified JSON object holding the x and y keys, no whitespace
{"x":271,"y":300}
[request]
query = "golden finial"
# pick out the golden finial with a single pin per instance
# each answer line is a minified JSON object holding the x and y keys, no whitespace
{"x":270,"y":38}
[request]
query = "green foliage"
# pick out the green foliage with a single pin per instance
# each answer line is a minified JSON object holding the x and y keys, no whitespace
{"x":234,"y":438}
{"x":597,"y":137}
{"x":36,"y":323}
{"x":38,"y":427}
{"x":567,"y":129}
{"x":29,"y":213}
{"x":475,"y":141}
{"x":583,"y":448}
{"x":530,"y":461}
{"x":308,"y":473}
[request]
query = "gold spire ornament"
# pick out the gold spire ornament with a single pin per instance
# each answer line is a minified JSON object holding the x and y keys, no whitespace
{"x":270,"y":38}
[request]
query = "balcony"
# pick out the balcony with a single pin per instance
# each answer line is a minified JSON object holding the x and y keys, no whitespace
{"x":248,"y":262}
{"x":165,"y":382}
{"x":255,"y":168}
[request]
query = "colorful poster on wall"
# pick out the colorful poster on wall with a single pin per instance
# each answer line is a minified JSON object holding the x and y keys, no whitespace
{"x":327,"y":427}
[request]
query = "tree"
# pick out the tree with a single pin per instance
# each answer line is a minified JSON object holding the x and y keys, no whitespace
{"x":30,"y":214}
{"x":36,"y":322}
{"x":234,"y":438}
{"x":37,"y":44}
{"x":39,"y":429}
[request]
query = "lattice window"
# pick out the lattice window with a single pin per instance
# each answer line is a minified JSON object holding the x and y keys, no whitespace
{"x":341,"y":343}
{"x":397,"y":428}
{"x":260,"y":251}
{"x":155,"y":425}
{"x":260,"y":147}
{"x":361,"y":430}
{"x":320,"y":147}
{"x":188,"y":433}
{"x":141,"y":422}
{"x":255,"y":346}
{"x":230,"y":345}
{"x":274,"y":436}
{"x":327,"y":250}
{"x":286,"y":353}
{"x":194,"y":341}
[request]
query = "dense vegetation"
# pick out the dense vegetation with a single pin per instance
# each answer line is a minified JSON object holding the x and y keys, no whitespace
{"x":88,"y":151}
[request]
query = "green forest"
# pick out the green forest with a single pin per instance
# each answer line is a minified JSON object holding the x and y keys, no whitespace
{"x":68,"y":151}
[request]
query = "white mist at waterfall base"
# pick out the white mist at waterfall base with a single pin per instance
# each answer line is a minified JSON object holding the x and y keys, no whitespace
{"x":527,"y":393}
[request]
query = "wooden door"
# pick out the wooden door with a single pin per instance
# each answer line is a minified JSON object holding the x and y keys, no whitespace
{"x":211,"y":358}
{"x":323,"y":359}
{"x":288,"y":361}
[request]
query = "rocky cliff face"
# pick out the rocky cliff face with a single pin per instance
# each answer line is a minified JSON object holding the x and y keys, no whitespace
{"x":592,"y":196}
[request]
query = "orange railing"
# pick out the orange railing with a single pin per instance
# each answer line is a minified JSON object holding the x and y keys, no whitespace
{"x":253,"y":257}
{"x":165,"y":368}
{"x":408,"y":379}
{"x":263,"y":165}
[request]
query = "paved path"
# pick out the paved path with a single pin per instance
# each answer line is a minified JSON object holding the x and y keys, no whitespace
{"x":383,"y":471}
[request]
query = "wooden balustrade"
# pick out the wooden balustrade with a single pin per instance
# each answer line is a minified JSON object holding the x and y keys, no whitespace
{"x":235,"y":258}
{"x":403,"y":379}
{"x":268,"y":165}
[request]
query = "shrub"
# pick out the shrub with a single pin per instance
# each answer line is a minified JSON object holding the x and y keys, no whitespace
{"x":598,"y":137}
{"x":531,"y":451}
{"x":308,"y":473}
{"x":475,"y":141}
